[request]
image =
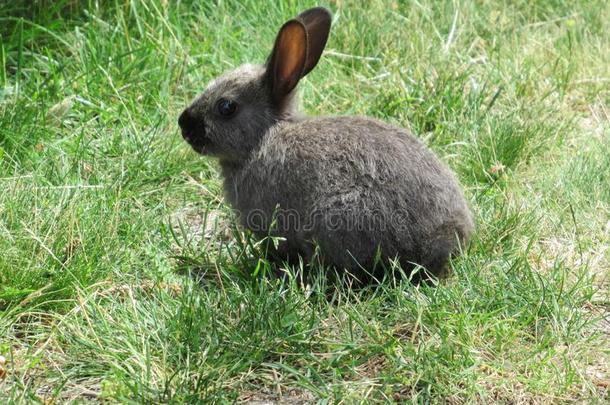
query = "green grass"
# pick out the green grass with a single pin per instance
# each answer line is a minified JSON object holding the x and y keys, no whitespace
{"x":105,"y":211}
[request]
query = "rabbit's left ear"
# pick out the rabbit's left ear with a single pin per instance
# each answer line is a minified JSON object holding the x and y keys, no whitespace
{"x":297,"y":50}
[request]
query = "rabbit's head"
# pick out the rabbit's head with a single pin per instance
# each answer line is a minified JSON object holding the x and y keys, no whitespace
{"x":229,"y":119}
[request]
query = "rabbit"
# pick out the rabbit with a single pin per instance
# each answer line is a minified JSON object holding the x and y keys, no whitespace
{"x":347,"y":192}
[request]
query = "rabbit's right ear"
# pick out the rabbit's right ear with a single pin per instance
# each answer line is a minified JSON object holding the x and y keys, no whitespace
{"x":297,"y":50}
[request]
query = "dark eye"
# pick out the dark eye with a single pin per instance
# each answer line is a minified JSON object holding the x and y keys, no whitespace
{"x":226,"y":108}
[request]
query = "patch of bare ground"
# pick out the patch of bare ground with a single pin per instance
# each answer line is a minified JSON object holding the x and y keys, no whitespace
{"x":196,"y":226}
{"x":280,"y":397}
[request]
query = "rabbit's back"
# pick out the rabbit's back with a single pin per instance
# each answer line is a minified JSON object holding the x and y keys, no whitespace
{"x":353,"y":185}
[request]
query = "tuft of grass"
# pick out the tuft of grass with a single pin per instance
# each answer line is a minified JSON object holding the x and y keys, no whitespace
{"x":124,"y":279}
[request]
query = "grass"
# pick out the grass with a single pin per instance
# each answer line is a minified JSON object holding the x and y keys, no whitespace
{"x":105,"y":211}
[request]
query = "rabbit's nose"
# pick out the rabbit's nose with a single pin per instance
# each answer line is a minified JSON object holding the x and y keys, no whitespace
{"x":190,"y":125}
{"x":187,"y":121}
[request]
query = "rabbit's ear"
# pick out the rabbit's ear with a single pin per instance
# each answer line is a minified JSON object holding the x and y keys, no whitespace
{"x":297,"y":50}
{"x":317,"y":24}
{"x":287,"y":61}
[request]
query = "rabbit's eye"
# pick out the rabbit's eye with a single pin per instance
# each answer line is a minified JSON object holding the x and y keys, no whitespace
{"x":226,"y":108}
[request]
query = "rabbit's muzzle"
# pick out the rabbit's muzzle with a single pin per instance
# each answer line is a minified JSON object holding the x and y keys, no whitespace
{"x":193,"y":130}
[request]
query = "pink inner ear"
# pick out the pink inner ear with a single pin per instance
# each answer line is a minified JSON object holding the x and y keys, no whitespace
{"x":290,"y":57}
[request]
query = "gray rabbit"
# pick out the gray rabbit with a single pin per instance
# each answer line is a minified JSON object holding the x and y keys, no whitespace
{"x":362,"y":191}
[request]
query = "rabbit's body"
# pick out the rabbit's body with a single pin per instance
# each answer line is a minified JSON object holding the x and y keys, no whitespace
{"x":351,"y":185}
{"x":357,"y":188}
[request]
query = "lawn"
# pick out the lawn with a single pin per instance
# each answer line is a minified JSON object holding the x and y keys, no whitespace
{"x":124,"y":279}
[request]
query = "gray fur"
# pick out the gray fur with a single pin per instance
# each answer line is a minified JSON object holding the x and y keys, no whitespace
{"x":355,"y":186}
